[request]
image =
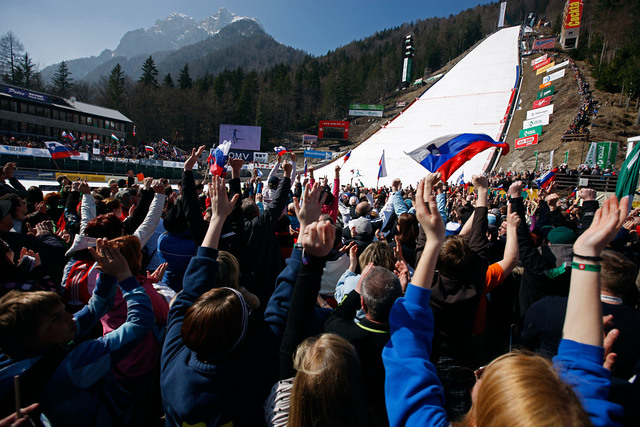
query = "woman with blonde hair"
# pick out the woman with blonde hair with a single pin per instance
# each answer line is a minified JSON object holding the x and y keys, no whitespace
{"x":515,"y":389}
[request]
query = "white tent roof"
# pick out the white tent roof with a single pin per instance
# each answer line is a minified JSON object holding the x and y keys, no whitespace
{"x":471,"y":98}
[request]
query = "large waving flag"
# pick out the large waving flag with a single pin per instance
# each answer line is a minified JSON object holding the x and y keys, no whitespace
{"x":545,"y":180}
{"x":218,"y":158}
{"x":448,"y":153}
{"x":628,"y":178}
{"x":148,"y":148}
{"x":280,"y":150}
{"x":59,"y":151}
{"x":382,"y":171}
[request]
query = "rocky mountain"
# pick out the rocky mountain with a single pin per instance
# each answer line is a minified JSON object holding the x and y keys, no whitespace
{"x":165,"y":38}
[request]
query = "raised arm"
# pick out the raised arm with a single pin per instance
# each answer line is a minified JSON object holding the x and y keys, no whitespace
{"x":197,"y":225}
{"x":511,"y":248}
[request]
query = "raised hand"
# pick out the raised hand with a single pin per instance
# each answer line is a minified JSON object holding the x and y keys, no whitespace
{"x":515,"y":190}
{"x":317,"y":238}
{"x":158,"y":274}
{"x":606,"y":224}
{"x":221,"y":206}
{"x":402,"y":271}
{"x":193,"y":158}
{"x":311,"y":206}
{"x":110,"y":260}
{"x":427,"y":209}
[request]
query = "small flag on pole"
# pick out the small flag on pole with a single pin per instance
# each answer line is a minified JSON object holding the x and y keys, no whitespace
{"x":59,"y":151}
{"x":382,"y":171}
{"x":545,"y":180}
{"x":164,"y":142}
{"x":134,"y":130}
{"x":280,"y":150}
{"x":148,"y":148}
{"x":346,"y":156}
{"x":218,"y":158}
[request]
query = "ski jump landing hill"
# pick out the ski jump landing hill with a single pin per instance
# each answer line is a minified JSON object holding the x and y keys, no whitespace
{"x":475,"y":96}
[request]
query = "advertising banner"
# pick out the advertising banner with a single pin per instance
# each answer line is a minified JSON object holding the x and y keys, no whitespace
{"x":44,"y":176}
{"x":241,"y":137}
{"x":172,"y":164}
{"x":558,"y":66}
{"x":312,"y":154}
{"x":538,"y":121}
{"x":542,"y":64}
{"x":536,"y":61}
{"x":325,"y":129}
{"x":526,"y":141}
{"x":545,"y":68}
{"x":541,"y":102}
{"x":259,"y":157}
{"x":546,"y":92}
{"x":544,"y":44}
{"x":310,"y":140}
{"x":83,"y":176}
{"x":532,"y":114}
{"x":247,"y":156}
{"x":536,"y":130}
{"x":554,"y":76}
{"x":366,"y":110}
{"x":24,"y":151}
{"x":606,"y":153}
{"x":34,"y":96}
{"x":573,"y":14}
{"x":503,"y":10}
{"x":545,"y":85}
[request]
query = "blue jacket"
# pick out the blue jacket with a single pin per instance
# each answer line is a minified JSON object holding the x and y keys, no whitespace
{"x":414,"y":393}
{"x":234,"y":388}
{"x":176,"y":249}
{"x":82,"y":390}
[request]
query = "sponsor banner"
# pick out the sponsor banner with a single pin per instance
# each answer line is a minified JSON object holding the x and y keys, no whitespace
{"x":83,"y":156}
{"x":572,"y":14}
{"x":526,"y":141}
{"x":150,"y":162}
{"x":545,"y":85}
{"x":83,"y":176}
{"x":241,"y":137}
{"x":247,"y":156}
{"x":544,"y":44}
{"x":172,"y":164}
{"x":546,"y":92}
{"x":532,"y":114}
{"x":325,"y":125}
{"x":45,"y":176}
{"x":541,"y":102}
{"x":558,"y":66}
{"x":259,"y":157}
{"x":503,"y":10}
{"x":545,"y":68}
{"x":368,"y":107}
{"x":33,"y":96}
{"x":542,"y":64}
{"x":365,"y":113}
{"x":538,"y":121}
{"x":539,"y":60}
{"x":318,"y":154}
{"x":536,"y":130}
{"x":124,"y":160}
{"x":311,"y":140}
{"x":554,"y":76}
{"x":606,"y":153}
{"x":35,"y":152}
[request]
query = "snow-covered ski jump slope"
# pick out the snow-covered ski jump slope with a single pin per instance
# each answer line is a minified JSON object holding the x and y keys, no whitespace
{"x":472,"y":97}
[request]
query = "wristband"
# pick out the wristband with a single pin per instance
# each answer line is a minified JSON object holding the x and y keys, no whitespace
{"x":588,"y":258}
{"x":586,"y":267}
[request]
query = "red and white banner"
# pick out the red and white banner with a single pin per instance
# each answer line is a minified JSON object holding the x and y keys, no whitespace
{"x":526,"y":141}
{"x":542,"y":102}
{"x":542,"y":64}
{"x":572,"y":14}
{"x":539,"y":60}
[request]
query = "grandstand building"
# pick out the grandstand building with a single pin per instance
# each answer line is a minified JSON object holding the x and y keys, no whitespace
{"x":28,"y":114}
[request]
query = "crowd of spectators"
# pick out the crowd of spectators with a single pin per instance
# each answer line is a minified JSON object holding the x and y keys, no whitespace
{"x":588,"y":105}
{"x":304,"y":301}
{"x":160,"y":150}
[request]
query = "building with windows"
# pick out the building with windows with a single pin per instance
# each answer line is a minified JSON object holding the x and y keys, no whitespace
{"x":26,"y":114}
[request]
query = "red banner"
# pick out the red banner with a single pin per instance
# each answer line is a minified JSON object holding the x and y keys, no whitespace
{"x":573,"y":14}
{"x":542,"y":64}
{"x":542,"y":102}
{"x":324,"y":124}
{"x":526,"y":141}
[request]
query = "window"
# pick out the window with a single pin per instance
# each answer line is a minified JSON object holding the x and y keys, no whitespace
{"x":83,"y":119}
{"x":89,"y":120}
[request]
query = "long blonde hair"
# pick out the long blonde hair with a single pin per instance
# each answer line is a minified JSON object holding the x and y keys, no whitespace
{"x":328,"y":387}
{"x":519,"y":389}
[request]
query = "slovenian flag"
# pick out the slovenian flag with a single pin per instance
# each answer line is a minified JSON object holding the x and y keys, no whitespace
{"x":134,"y":130}
{"x":280,"y":150}
{"x":305,"y":167}
{"x":545,"y":180}
{"x":175,"y":151}
{"x":382,"y":171}
{"x":59,"y":151}
{"x":218,"y":158}
{"x":346,"y":156}
{"x":448,"y":153}
{"x":68,"y":135}
{"x":574,"y":193}
{"x":114,"y":137}
{"x":148,"y":148}
{"x":164,"y":142}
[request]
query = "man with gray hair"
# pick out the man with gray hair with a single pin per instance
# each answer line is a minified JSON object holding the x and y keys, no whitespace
{"x":377,"y":290}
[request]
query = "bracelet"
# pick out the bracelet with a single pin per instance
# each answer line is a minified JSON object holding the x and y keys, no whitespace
{"x":588,"y":258}
{"x":586,"y":267}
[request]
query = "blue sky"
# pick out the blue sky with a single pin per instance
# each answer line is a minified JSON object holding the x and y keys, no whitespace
{"x":56,"y":30}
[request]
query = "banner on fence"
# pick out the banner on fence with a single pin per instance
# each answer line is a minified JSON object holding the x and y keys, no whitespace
{"x":532,"y":114}
{"x":531,"y":131}
{"x":526,"y":141}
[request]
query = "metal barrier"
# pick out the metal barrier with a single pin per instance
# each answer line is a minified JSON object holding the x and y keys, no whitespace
{"x":599,"y":183}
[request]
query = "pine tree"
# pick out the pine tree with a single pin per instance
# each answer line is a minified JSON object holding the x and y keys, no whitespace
{"x":168,"y":81}
{"x":10,"y":51}
{"x":62,"y":81}
{"x":115,"y":88}
{"x":25,"y":72}
{"x":185,"y":81}
{"x":149,"y":73}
